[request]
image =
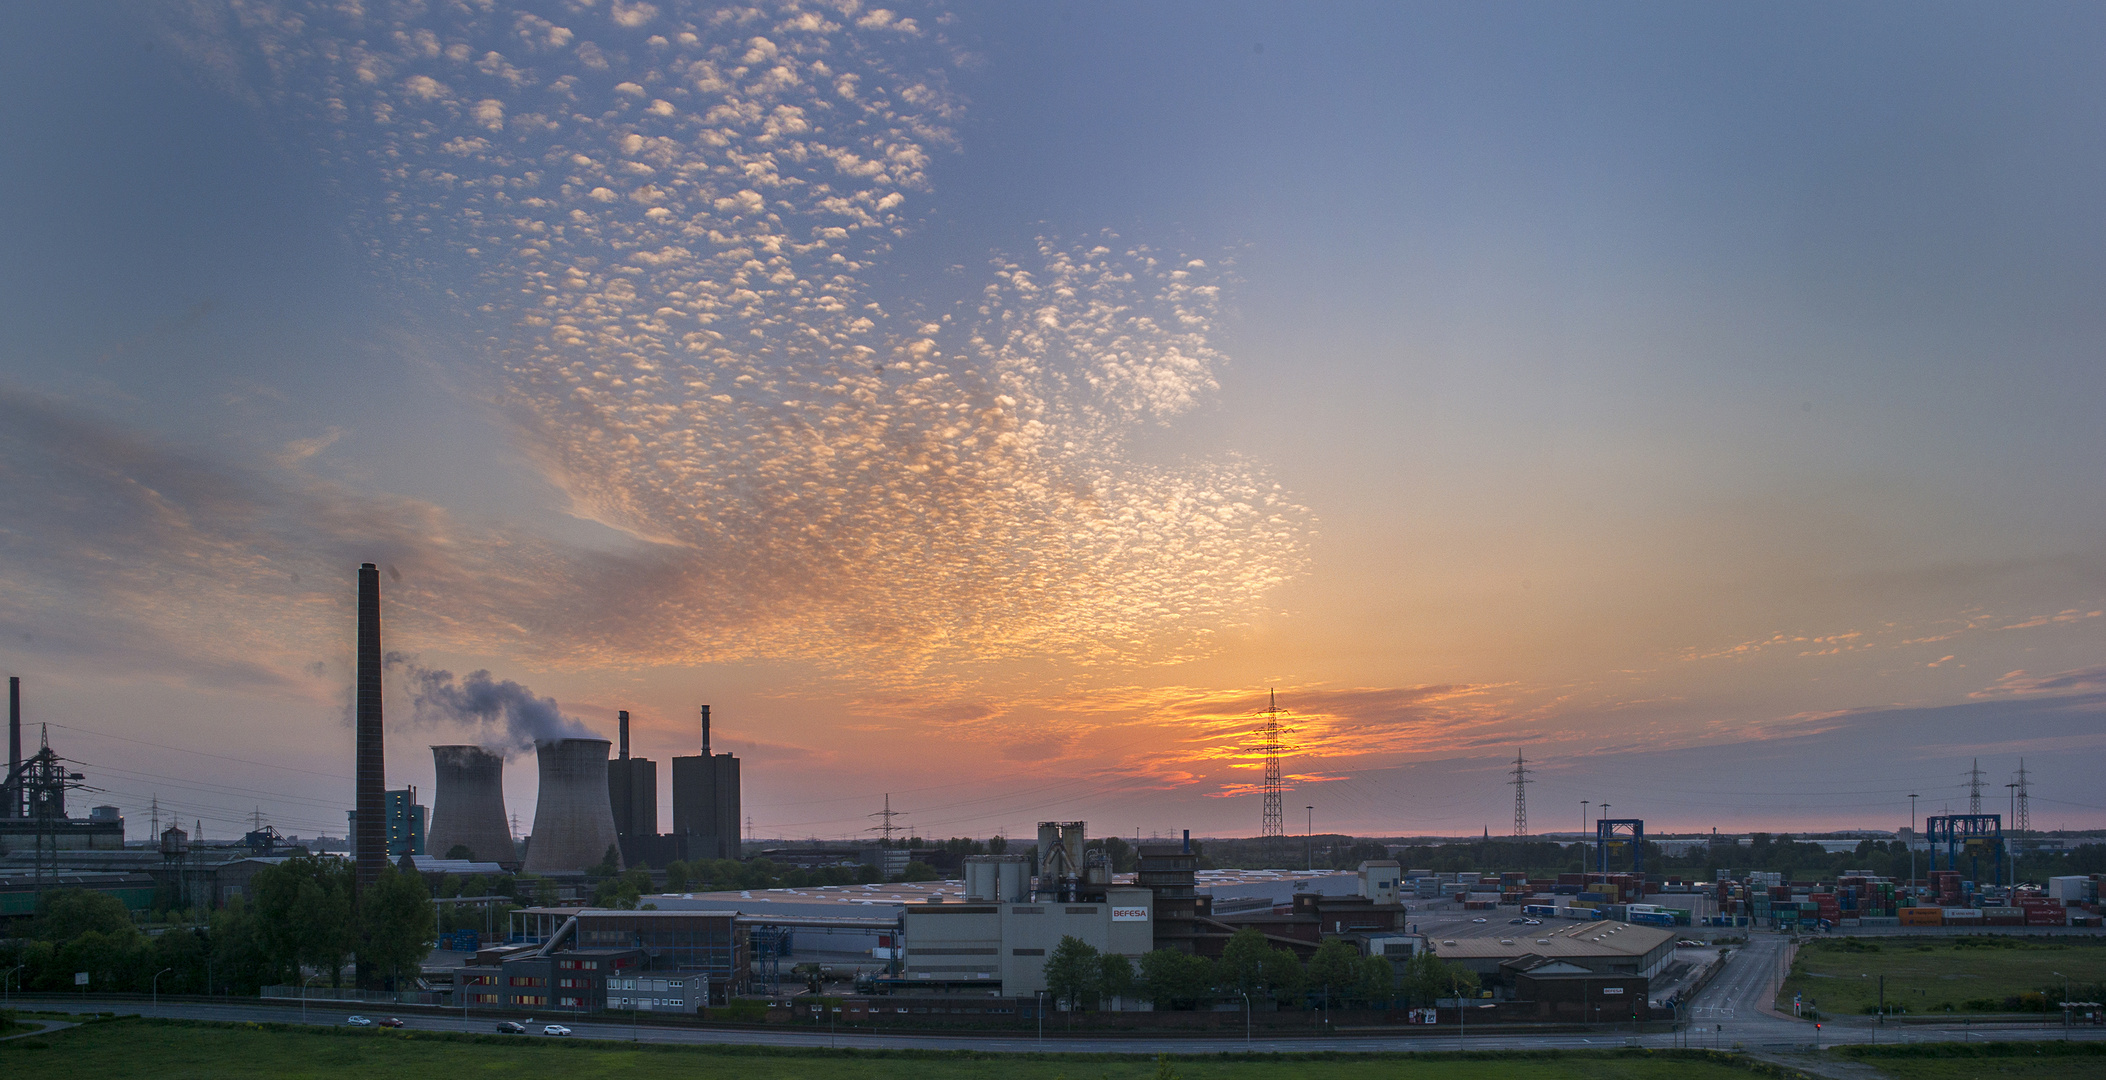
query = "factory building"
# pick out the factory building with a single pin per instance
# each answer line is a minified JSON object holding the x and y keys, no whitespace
{"x":632,"y":793}
{"x":706,"y":802}
{"x":405,"y":822}
{"x":590,"y":958}
{"x":1592,"y":948}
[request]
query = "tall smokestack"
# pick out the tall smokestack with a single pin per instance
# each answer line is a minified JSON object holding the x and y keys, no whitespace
{"x":625,"y":734}
{"x":705,"y":731}
{"x":371,"y":843}
{"x":14,"y":747}
{"x":468,"y":809}
{"x":573,"y":818}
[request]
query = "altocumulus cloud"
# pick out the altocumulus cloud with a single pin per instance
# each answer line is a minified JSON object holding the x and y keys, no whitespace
{"x":666,"y":221}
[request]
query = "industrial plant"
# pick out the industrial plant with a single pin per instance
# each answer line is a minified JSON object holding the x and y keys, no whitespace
{"x":1612,"y":940}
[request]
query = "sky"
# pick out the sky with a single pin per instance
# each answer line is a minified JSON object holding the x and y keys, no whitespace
{"x":989,"y":406}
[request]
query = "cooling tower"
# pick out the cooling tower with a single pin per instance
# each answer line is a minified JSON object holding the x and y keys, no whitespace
{"x":573,"y":821}
{"x":469,"y":808}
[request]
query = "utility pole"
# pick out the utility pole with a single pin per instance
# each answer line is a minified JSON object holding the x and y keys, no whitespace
{"x":2022,"y":814}
{"x":885,"y":816}
{"x":1273,"y":826}
{"x":1520,"y":783}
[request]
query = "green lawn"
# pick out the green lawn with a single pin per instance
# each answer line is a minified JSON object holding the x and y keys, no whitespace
{"x":1841,"y":975}
{"x":167,"y":1050}
{"x":1983,"y":1061}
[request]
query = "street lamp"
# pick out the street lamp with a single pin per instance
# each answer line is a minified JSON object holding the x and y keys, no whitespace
{"x":5,"y":994}
{"x":155,"y":987}
{"x":304,"y":983}
{"x":1246,"y":1018}
{"x":2065,"y":1003}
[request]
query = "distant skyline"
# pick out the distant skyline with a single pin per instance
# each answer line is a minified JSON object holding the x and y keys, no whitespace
{"x":987,"y":405}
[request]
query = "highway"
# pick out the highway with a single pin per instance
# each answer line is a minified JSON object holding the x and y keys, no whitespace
{"x":1732,"y":1011}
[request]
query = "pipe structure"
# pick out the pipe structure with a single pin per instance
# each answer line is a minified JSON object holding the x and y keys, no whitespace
{"x":371,"y":843}
{"x":468,"y":808}
{"x":573,"y":819}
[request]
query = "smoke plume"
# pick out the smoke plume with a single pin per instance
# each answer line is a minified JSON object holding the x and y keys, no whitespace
{"x":506,"y":717}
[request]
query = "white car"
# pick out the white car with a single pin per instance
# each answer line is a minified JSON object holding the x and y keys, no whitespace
{"x":1476,"y":920}
{"x":358,"y":1021}
{"x":555,"y":1029}
{"x":1532,"y":922}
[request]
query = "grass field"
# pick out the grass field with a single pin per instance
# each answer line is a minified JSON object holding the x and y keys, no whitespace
{"x":1983,"y":1061}
{"x":1841,"y":975}
{"x":167,"y":1050}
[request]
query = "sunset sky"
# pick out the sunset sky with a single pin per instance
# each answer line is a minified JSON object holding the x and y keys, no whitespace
{"x":987,"y":405}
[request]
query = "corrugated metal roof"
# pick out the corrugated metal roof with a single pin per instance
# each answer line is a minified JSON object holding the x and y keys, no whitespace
{"x":1586,"y":939}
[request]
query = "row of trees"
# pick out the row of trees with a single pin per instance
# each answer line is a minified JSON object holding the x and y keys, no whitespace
{"x":299,"y":916}
{"x":1079,"y":977}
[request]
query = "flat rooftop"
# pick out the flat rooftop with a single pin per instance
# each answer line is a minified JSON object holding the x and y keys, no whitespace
{"x":1586,"y":939}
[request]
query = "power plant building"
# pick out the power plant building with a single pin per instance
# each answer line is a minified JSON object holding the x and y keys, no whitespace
{"x":706,"y":802}
{"x":632,"y":793}
{"x":468,"y":808}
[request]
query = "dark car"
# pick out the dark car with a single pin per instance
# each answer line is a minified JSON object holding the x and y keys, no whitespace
{"x":510,"y":1027}
{"x":392,"y":1022}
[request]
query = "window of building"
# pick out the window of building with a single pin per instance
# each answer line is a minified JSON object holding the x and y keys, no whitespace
{"x":1034,"y":910}
{"x":1027,"y":952}
{"x":529,"y":999}
{"x":1091,"y":910}
{"x":528,"y":980}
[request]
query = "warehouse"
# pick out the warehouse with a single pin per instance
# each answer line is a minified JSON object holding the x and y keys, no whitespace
{"x":1600,"y":948}
{"x":1002,"y":947}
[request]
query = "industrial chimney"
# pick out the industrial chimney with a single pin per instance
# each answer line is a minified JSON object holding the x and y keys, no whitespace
{"x":469,"y":808}
{"x":10,"y":784}
{"x":371,"y":843}
{"x":573,"y":821}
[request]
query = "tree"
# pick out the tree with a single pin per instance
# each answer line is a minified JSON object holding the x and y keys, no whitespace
{"x":1426,"y":977}
{"x":1115,"y":976}
{"x":395,"y":925}
{"x":920,"y":871}
{"x":1335,"y":969}
{"x":1375,"y":982}
{"x":998,"y":845}
{"x":1073,"y":972}
{"x":304,"y":916}
{"x":1176,"y":980}
{"x":460,"y":851}
{"x":64,"y":914}
{"x":1243,"y":960}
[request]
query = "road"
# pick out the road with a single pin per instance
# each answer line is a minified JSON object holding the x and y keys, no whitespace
{"x":1731,"y":1011}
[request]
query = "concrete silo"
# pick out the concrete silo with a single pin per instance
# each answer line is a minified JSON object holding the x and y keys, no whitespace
{"x":469,"y":807}
{"x":573,"y":820}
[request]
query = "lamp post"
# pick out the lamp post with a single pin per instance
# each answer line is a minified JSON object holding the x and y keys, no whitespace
{"x":155,"y":987}
{"x":1041,"y":1011}
{"x":303,"y":994}
{"x":1246,"y":1018}
{"x":2065,"y":1003}
{"x":1461,"y":1018}
{"x":7,"y":979}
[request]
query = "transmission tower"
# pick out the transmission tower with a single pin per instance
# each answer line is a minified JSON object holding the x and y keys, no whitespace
{"x":1520,"y":782}
{"x":1273,"y":830}
{"x":886,"y":815}
{"x":2022,"y":815}
{"x":1974,"y":788}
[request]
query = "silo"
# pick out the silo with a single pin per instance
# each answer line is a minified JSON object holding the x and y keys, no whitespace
{"x":998,"y":878}
{"x":573,"y":821}
{"x":469,"y":808}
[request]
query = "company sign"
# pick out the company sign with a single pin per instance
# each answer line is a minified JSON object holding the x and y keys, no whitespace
{"x":1129,"y":914}
{"x":1612,"y":989}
